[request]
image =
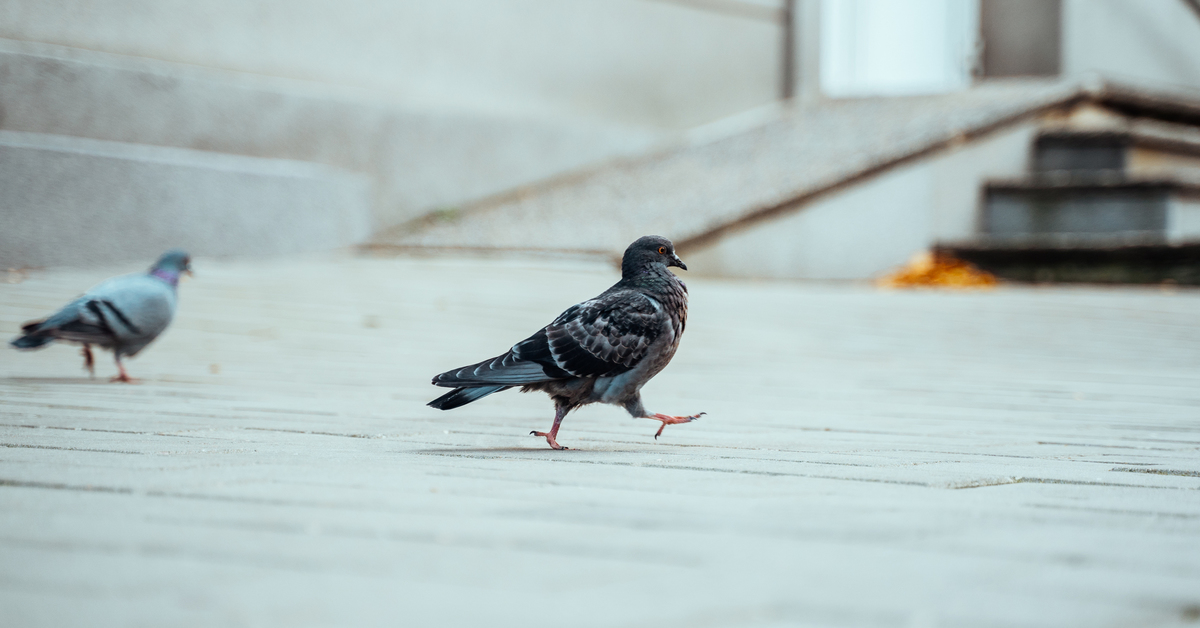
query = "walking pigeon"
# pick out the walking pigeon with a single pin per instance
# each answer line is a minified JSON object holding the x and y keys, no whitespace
{"x":602,"y":350}
{"x":123,"y":314}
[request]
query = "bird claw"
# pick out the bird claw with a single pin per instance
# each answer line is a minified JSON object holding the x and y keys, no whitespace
{"x":549,"y":439}
{"x":672,"y":420}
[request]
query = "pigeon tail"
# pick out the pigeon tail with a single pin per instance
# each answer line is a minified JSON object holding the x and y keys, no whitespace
{"x":31,"y":341}
{"x":502,"y":370}
{"x":463,"y":396}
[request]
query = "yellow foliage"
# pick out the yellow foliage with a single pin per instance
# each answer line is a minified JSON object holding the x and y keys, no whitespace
{"x":938,"y":270}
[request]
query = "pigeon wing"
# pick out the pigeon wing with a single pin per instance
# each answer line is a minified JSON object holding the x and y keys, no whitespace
{"x":599,"y":338}
{"x":128,"y":311}
{"x":137,"y":308}
{"x":603,"y":337}
{"x":74,"y":321}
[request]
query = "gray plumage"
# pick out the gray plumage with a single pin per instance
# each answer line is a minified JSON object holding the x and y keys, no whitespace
{"x":602,"y":350}
{"x":122,"y":314}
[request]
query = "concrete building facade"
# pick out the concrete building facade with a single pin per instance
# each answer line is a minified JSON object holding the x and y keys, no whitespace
{"x":431,"y":108}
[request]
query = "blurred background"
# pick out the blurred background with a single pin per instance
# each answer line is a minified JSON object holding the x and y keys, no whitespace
{"x":825,"y":139}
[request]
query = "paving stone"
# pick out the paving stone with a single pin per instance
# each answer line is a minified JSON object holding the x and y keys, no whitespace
{"x":1025,"y":456}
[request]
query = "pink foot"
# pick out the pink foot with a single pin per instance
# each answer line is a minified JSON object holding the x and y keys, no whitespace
{"x":671,"y":420}
{"x":122,"y":376}
{"x":549,"y":439}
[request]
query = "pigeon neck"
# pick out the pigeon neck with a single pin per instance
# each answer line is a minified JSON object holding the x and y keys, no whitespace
{"x":168,"y":276}
{"x":645,"y":274}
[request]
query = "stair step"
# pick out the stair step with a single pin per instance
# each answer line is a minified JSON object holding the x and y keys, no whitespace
{"x":420,"y":159}
{"x":1150,"y":263}
{"x":1114,"y":151}
{"x":74,"y":201}
{"x":1081,"y":209}
{"x":1080,"y":152}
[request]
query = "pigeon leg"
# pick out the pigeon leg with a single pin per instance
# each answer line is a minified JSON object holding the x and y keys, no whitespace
{"x":123,"y":376}
{"x":671,"y":420}
{"x":89,"y":362}
{"x":559,"y":413}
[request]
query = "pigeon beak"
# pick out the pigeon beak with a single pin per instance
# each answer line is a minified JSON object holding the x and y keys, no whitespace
{"x":675,"y":261}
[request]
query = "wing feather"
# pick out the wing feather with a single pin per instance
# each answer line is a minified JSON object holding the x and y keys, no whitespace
{"x":603,"y":337}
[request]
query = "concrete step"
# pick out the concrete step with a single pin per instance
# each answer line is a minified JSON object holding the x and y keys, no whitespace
{"x":1080,"y":152}
{"x":1132,"y":264}
{"x":75,"y":201}
{"x":1069,"y":210}
{"x":419,"y":159}
{"x":1136,"y":148}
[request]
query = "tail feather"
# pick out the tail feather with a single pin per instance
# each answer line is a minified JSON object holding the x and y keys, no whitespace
{"x":463,"y":396}
{"x":506,"y":370}
{"x":31,"y":341}
{"x":34,"y":336}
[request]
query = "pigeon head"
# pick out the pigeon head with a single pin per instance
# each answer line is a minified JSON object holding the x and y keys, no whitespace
{"x":175,"y":261}
{"x":648,"y":251}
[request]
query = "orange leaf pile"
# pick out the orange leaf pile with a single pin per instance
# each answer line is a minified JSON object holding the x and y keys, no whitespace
{"x":938,"y":270}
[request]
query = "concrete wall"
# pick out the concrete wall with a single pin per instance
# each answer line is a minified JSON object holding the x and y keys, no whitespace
{"x":873,"y":226}
{"x":1143,"y":41}
{"x":71,"y":201}
{"x":642,"y":62}
{"x":882,"y":47}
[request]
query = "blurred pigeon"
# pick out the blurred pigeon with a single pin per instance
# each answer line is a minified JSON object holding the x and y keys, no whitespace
{"x":602,"y":350}
{"x":123,"y":314}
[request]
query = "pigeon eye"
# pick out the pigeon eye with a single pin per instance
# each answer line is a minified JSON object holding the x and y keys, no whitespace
{"x":662,"y":250}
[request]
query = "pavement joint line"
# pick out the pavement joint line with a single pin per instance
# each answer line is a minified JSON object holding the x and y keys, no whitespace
{"x":642,"y":465}
{"x":1119,"y":511}
{"x":94,"y":429}
{"x":283,"y":411}
{"x":119,"y":410}
{"x":120,"y":490}
{"x":161,"y":550}
{"x":1162,"y":440}
{"x":824,"y":462}
{"x":57,"y":406}
{"x":1112,"y":484}
{"x":954,"y":486}
{"x":1192,"y":474}
{"x":1107,"y":446}
{"x":316,"y":433}
{"x":102,"y":451}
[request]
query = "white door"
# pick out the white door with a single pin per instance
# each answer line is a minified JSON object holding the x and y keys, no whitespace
{"x":895,"y":47}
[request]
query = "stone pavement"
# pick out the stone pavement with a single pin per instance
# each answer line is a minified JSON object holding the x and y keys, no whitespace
{"x":1020,"y":457}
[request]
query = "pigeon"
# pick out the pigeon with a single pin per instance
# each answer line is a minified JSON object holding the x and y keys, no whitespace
{"x":602,"y":350}
{"x":123,"y":314}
